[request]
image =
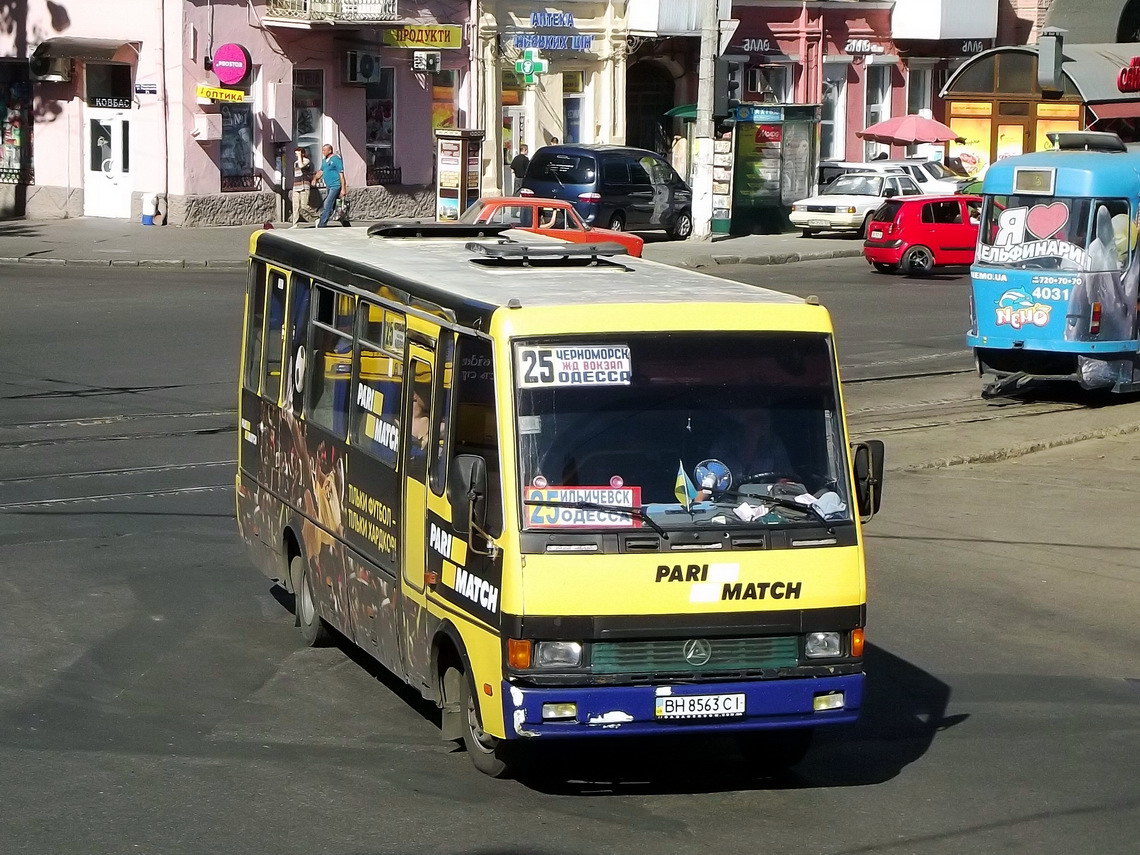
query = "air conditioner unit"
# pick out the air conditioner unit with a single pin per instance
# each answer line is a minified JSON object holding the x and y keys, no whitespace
{"x":428,"y":61}
{"x":361,"y":67}
{"x":50,"y":69}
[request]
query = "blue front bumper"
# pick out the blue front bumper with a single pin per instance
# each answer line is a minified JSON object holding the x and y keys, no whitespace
{"x":629,"y":710}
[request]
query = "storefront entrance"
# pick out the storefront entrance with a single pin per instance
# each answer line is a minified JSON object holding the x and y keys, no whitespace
{"x":107,"y":142}
{"x":649,"y":96}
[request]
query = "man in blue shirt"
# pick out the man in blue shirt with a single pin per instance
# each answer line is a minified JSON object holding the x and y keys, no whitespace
{"x":332,"y":171}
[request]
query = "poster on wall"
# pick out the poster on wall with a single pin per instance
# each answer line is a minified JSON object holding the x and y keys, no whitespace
{"x":796,"y":178}
{"x":974,"y":153}
{"x":1052,"y":126}
{"x":1010,"y":141}
{"x":758,"y":150}
{"x":237,"y":140}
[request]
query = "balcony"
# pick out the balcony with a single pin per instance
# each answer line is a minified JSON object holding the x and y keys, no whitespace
{"x":944,"y":19}
{"x":309,"y":12}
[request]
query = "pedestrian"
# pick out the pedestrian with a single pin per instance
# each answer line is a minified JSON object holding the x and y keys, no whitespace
{"x":332,"y":173}
{"x":302,"y":186}
{"x":520,"y":163}
{"x":553,"y":141}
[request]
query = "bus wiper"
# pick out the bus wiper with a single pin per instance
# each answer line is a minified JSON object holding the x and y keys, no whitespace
{"x":784,"y":503}
{"x":638,"y":512}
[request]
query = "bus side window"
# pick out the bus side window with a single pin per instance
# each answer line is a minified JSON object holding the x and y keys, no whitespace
{"x":474,"y":428}
{"x":255,"y":320}
{"x":441,"y":410}
{"x":330,"y":355}
{"x":274,"y":336}
{"x":298,"y":340}
{"x":379,"y":373}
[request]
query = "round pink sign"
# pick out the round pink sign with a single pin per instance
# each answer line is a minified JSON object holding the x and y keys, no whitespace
{"x":231,"y":64}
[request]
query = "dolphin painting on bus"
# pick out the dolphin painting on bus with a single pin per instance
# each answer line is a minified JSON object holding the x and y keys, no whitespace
{"x":1054,"y":281}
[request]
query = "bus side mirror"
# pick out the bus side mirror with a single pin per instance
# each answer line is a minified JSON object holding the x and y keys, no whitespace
{"x":467,"y":492}
{"x":868,"y":476}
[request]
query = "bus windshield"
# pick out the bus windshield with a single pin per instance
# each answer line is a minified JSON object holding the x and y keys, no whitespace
{"x":1055,"y":233}
{"x":697,"y":429}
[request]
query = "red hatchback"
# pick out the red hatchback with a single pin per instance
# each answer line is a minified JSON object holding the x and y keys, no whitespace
{"x":919,"y":233}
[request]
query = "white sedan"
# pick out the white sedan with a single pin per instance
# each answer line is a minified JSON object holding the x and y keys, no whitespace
{"x":847,"y":202}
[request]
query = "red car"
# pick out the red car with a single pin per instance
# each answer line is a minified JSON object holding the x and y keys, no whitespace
{"x":552,"y":217}
{"x":918,"y":233}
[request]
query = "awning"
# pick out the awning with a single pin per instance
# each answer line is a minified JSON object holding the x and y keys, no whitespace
{"x":64,"y":47}
{"x":683,"y":111}
{"x":1117,"y":110}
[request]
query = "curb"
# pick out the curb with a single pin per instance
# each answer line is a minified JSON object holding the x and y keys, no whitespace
{"x":125,"y":262}
{"x":700,"y":261}
{"x":1011,"y":452}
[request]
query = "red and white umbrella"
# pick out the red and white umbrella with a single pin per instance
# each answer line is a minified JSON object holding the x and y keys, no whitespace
{"x":906,"y":130}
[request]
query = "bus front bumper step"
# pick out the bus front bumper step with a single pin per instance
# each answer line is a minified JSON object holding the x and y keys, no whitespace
{"x":614,"y":710}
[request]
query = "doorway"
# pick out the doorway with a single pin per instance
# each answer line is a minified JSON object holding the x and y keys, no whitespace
{"x":649,"y":96}
{"x":107,"y":167}
{"x":514,"y":135}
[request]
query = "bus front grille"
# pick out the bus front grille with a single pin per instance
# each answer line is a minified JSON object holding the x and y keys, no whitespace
{"x":724,"y":654}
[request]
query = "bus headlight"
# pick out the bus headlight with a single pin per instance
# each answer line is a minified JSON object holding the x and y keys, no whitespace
{"x":821,"y":645}
{"x":557,"y":654}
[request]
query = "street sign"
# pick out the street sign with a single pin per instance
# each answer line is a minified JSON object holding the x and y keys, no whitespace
{"x":530,"y":65}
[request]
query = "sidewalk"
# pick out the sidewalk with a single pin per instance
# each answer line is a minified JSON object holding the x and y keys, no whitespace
{"x":95,"y":242}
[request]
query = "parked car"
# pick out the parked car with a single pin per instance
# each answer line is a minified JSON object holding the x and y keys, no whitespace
{"x":846,"y":204}
{"x":930,"y":175}
{"x":615,"y":187}
{"x":829,"y":170}
{"x":918,"y":234}
{"x":552,"y":217}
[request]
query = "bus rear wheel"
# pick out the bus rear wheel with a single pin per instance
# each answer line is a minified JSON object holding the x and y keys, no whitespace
{"x":313,"y":629}
{"x":490,"y":755}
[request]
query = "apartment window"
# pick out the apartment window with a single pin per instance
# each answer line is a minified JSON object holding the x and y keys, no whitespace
{"x":878,"y":107}
{"x":770,"y":83}
{"x":379,"y":125}
{"x":833,"y":112}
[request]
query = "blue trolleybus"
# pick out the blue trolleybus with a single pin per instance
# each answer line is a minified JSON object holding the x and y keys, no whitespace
{"x":1054,"y":280}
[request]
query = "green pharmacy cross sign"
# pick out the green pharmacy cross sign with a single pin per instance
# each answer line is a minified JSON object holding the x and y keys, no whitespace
{"x":530,"y":65}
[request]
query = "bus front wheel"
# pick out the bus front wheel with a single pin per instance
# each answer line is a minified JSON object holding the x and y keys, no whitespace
{"x":487,"y":753}
{"x":313,"y":629}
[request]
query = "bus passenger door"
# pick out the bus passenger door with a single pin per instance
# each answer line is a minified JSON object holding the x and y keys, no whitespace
{"x":413,"y":557}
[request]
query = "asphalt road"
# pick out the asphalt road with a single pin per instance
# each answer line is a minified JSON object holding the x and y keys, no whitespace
{"x":886,"y":325}
{"x":155,"y":697}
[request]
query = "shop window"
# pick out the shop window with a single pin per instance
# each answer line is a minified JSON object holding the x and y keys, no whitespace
{"x":833,"y":112}
{"x":878,"y":107}
{"x":978,"y":76}
{"x":512,"y":88}
{"x":573,"y":104}
{"x":109,"y":86}
{"x":1017,"y":72}
{"x":380,"y":115}
{"x":770,"y":83}
{"x":15,"y":124}
{"x":308,"y":110}
{"x":237,"y":147}
{"x":444,"y":89}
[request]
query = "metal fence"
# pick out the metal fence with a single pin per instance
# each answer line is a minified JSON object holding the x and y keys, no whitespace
{"x":335,"y":10}
{"x":20,"y":175}
{"x":241,"y":181}
{"x":383,"y":175}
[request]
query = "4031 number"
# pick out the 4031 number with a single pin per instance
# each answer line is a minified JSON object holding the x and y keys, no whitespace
{"x":1050,"y":294}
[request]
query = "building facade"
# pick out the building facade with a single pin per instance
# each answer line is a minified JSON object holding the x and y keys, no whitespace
{"x":113,"y":104}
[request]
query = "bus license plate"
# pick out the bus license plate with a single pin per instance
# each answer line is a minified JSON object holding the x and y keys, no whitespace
{"x":700,"y":706}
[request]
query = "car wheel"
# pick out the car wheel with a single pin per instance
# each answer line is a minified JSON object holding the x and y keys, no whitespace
{"x":883,"y":267}
{"x":617,"y":222}
{"x":865,"y":229}
{"x":682,"y":226}
{"x":806,"y":232}
{"x":918,"y":261}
